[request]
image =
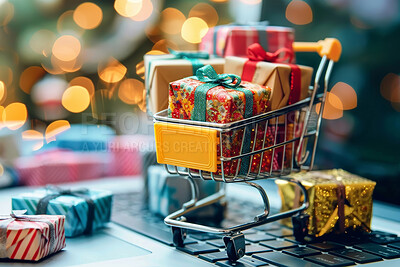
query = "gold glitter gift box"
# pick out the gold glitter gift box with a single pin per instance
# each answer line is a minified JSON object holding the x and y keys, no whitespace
{"x":339,"y":201}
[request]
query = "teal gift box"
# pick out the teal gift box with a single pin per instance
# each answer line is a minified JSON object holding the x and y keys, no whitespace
{"x":85,"y":210}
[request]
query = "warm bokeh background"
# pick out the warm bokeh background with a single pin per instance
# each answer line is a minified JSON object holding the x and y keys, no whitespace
{"x":64,"y":62}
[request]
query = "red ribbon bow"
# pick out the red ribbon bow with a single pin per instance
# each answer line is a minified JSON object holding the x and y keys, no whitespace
{"x":256,"y":52}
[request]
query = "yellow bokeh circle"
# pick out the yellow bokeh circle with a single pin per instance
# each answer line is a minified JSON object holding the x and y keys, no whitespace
{"x":88,"y":15}
{"x":194,"y":29}
{"x":76,"y":99}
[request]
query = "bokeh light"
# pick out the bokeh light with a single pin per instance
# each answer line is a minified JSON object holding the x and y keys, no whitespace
{"x":42,"y":42}
{"x":299,"y":12}
{"x":3,"y":92}
{"x":206,"y":12}
{"x":67,"y":24}
{"x":128,"y":8}
{"x":193,"y":29}
{"x":15,"y":115}
{"x":333,"y":108}
{"x":390,"y":86}
{"x":66,"y":66}
{"x":153,"y":32}
{"x":346,"y":94}
{"x":140,"y":69}
{"x":131,"y":91}
{"x":84,"y":82}
{"x":219,"y":1}
{"x":163,"y":46}
{"x":6,"y":12}
{"x":66,"y":48}
{"x":251,"y":2}
{"x":88,"y":15}
{"x":33,"y":136}
{"x":172,"y":20}
{"x":145,"y":11}
{"x":55,"y":128}
{"x":113,"y":72}
{"x":6,"y":75}
{"x":156,"y":52}
{"x":76,"y":99}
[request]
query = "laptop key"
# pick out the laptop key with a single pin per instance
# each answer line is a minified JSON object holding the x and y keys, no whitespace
{"x":384,"y":252}
{"x":325,"y":246}
{"x":215,"y":256}
{"x":259,"y":237}
{"x":395,"y":245}
{"x":384,"y":239}
{"x":241,"y":263}
{"x":251,"y":249}
{"x":202,"y":236}
{"x":330,"y":260}
{"x":219,"y":243}
{"x":355,"y":255}
{"x":301,"y":252}
{"x":278,"y":244}
{"x":283,"y":232}
{"x":195,"y":249}
{"x":252,"y":261}
{"x":283,"y":260}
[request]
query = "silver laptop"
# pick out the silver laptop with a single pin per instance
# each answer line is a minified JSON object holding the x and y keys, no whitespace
{"x":127,"y":243}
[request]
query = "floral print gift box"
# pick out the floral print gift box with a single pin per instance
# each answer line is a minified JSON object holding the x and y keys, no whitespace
{"x":223,"y":101}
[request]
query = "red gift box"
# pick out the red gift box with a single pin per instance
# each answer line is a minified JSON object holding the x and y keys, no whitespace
{"x":233,"y":40}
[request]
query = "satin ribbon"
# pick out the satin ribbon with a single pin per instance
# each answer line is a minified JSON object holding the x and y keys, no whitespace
{"x":256,"y":53}
{"x":260,"y":27}
{"x":18,"y":216}
{"x":211,"y":79}
{"x":80,"y":193}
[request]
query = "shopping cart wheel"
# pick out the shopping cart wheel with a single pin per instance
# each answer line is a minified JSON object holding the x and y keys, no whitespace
{"x":235,"y":246}
{"x":300,"y":226}
{"x":178,"y":236}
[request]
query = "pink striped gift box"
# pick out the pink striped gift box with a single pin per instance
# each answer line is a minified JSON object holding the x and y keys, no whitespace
{"x":233,"y":40}
{"x":59,"y":166}
{"x":31,"y":237}
{"x":126,"y":154}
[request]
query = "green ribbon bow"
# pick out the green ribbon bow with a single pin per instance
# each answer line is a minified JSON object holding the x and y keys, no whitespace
{"x":211,"y":79}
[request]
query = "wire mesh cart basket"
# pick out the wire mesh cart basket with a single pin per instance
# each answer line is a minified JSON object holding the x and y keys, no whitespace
{"x":270,"y":145}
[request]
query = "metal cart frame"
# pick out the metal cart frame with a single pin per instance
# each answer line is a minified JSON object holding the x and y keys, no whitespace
{"x":295,"y":114}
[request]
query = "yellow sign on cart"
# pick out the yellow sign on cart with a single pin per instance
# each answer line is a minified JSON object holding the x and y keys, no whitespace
{"x":186,"y":146}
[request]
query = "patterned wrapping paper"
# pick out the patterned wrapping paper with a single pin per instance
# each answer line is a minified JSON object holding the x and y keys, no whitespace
{"x":74,"y":208}
{"x":322,"y":188}
{"x":160,"y":70}
{"x":127,"y":154}
{"x":233,"y":40}
{"x":33,"y":237}
{"x":167,"y":192}
{"x":59,"y":166}
{"x":222,"y":106}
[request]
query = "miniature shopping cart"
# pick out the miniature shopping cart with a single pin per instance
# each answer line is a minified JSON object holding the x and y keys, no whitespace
{"x":272,"y":145}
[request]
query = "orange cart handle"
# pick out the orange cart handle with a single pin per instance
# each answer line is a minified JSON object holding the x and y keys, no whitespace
{"x":330,"y":47}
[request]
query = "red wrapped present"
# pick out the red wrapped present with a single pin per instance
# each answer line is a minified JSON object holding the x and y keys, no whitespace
{"x":233,"y":40}
{"x":219,"y":98}
{"x":33,"y":237}
{"x":126,"y":154}
{"x":59,"y":166}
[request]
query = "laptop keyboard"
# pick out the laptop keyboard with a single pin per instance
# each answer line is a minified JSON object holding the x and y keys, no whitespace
{"x":270,"y":244}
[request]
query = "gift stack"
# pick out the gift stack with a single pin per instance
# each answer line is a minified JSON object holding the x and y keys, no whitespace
{"x":339,"y":201}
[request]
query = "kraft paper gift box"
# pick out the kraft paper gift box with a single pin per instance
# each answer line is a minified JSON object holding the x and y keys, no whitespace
{"x":289,"y":82}
{"x":233,"y":40}
{"x":59,"y":166}
{"x":160,"y":70}
{"x":168,"y":192}
{"x":328,"y":211}
{"x":31,"y":238}
{"x":85,"y":210}
{"x":221,"y":104}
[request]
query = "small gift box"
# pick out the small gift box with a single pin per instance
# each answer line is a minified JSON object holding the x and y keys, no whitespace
{"x":85,"y":210}
{"x":59,"y":166}
{"x":233,"y":40}
{"x":167,"y":192}
{"x":24,"y":237}
{"x":222,"y":99}
{"x":127,"y":154}
{"x":160,"y":70}
{"x":339,"y":201}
